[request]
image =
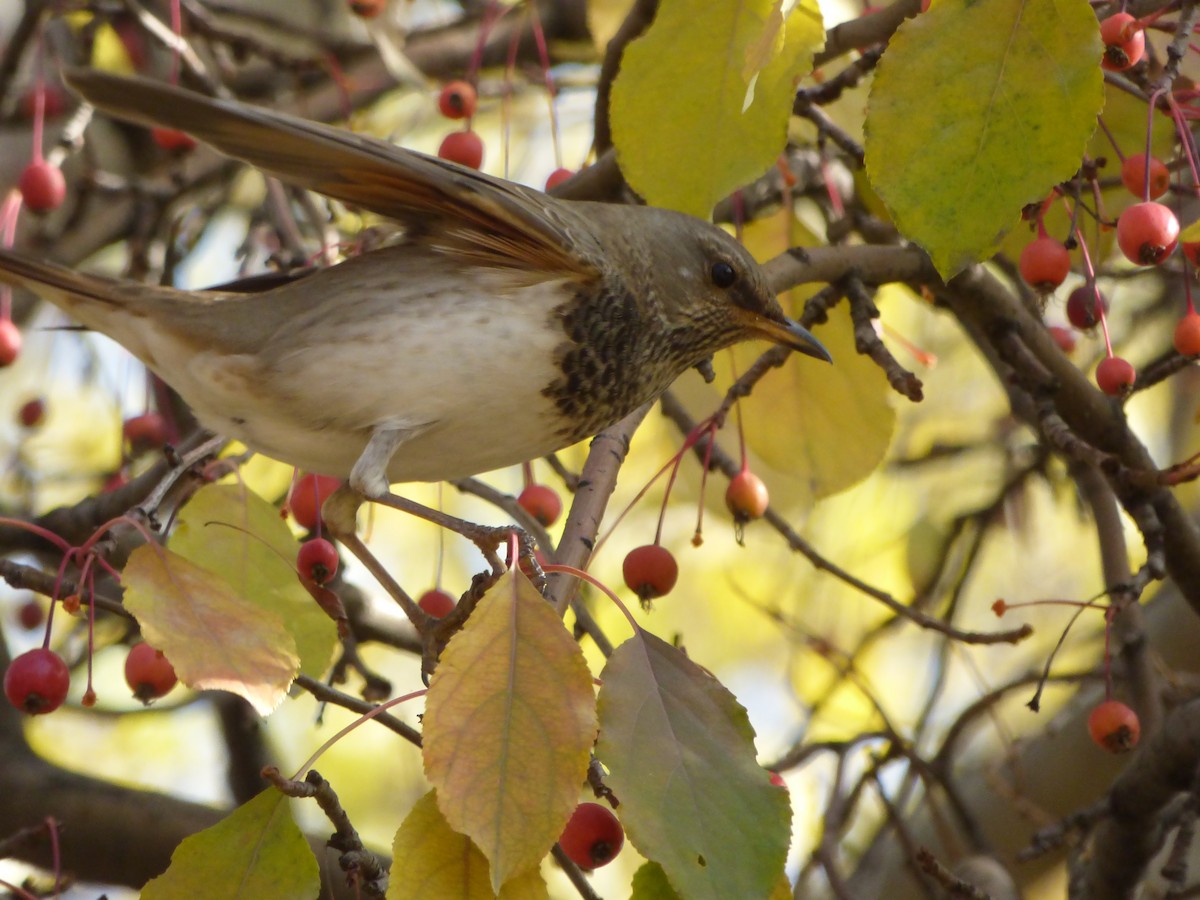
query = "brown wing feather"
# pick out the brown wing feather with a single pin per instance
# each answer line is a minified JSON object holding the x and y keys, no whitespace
{"x":422,"y":192}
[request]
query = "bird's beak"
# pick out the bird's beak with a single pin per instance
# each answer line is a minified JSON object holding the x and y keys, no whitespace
{"x":789,"y":334}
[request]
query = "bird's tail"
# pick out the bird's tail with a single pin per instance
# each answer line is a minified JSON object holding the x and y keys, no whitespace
{"x":99,"y":303}
{"x":67,"y":289}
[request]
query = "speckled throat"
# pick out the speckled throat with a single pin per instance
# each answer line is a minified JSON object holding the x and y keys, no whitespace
{"x":618,"y":355}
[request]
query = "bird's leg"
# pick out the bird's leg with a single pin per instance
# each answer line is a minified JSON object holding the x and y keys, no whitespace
{"x":340,"y":514}
{"x":368,"y":479}
{"x":369,"y":475}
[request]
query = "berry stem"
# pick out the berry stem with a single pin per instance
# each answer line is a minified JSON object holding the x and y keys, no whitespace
{"x":365,"y":717}
{"x":539,"y":38}
{"x":600,"y":585}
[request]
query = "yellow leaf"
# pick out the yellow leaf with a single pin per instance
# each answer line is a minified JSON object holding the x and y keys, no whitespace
{"x":509,"y":721}
{"x":714,"y":82}
{"x":255,"y":852}
{"x":432,"y":861}
{"x":213,"y":637}
{"x":234,"y":533}
{"x":980,"y":107}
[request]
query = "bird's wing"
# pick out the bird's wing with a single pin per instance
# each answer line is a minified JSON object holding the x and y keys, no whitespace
{"x":488,"y":219}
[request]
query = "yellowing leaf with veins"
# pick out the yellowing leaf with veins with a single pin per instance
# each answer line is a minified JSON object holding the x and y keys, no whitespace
{"x":702,"y":100}
{"x":980,"y":107}
{"x":432,"y":861}
{"x":215,"y":639}
{"x":509,"y":723}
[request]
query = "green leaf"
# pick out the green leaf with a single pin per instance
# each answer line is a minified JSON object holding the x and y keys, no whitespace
{"x":680,"y":754}
{"x":434,"y":862}
{"x":650,"y":883}
{"x":712,"y":82}
{"x":509,"y":722}
{"x":212,"y":636}
{"x":234,"y":533}
{"x":256,"y":852}
{"x":980,"y":107}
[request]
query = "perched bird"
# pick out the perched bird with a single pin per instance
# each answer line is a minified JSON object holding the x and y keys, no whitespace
{"x":503,"y":325}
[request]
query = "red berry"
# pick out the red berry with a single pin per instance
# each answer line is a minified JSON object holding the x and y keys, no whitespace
{"x":1083,"y":309}
{"x":1147,"y":233}
{"x":146,"y":431}
{"x":148,"y":673}
{"x":42,"y":186}
{"x":1133,"y":176}
{"x":1114,"y":727}
{"x":1191,"y":249}
{"x":436,"y":603}
{"x":457,"y":100}
{"x":542,"y":502}
{"x":367,"y":9}
{"x":1187,"y":334}
{"x":557,"y":177}
{"x":777,"y":780}
{"x":650,"y":571}
{"x":10,"y":342}
{"x":31,"y":615}
{"x":464,"y":148}
{"x":1044,"y":263}
{"x":310,"y":492}
{"x":1115,"y":375}
{"x":37,"y":681}
{"x":173,"y":141}
{"x":317,"y":560}
{"x":592,"y":837}
{"x":746,"y":496}
{"x":1124,"y":42}
{"x":32,"y":412}
{"x":1064,"y":337}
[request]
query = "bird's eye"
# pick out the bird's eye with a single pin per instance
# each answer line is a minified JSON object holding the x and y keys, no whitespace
{"x":723,"y":274}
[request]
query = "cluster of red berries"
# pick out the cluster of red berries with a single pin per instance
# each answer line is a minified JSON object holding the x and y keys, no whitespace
{"x":37,"y":681}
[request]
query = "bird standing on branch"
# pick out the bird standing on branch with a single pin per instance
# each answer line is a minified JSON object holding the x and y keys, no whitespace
{"x":504,"y":325}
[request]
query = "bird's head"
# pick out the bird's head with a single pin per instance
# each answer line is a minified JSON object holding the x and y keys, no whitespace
{"x":710,"y":291}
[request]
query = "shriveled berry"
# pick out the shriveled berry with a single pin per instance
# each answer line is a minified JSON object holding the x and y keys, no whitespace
{"x":650,"y":571}
{"x":1147,"y":233}
{"x":592,"y":837}
{"x":37,"y":681}
{"x":542,"y":502}
{"x":464,"y":148}
{"x":1084,"y":305}
{"x":42,"y":186}
{"x":1115,"y":375}
{"x":317,"y":560}
{"x":1044,"y":263}
{"x":1114,"y":726}
{"x":458,"y":100}
{"x":1133,"y":176}
{"x":148,"y":673}
{"x":310,"y":492}
{"x":436,"y":603}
